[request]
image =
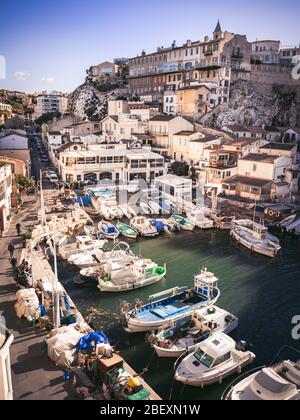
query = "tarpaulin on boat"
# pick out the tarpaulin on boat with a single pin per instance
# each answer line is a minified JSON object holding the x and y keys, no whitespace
{"x":89,"y":341}
{"x":27,"y":304}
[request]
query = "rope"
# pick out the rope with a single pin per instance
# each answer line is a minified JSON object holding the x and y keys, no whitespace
{"x":284,"y":346}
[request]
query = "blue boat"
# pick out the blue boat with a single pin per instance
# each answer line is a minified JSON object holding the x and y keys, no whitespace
{"x":174,"y":304}
{"x":160,"y":226}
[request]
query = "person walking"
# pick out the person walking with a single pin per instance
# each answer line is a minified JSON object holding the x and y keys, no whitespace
{"x":18,"y":228}
{"x":14,"y":263}
{"x":11,"y":249}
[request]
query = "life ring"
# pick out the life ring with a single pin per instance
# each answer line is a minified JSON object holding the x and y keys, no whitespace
{"x":125,"y":307}
{"x":271,"y":213}
{"x":138,"y":305}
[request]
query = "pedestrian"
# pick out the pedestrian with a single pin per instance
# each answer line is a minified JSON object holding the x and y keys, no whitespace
{"x":14,"y":263}
{"x":18,"y":227}
{"x":11,"y":249}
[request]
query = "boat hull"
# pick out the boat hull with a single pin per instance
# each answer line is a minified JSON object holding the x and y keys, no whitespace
{"x":169,"y":353}
{"x":216,"y":377}
{"x":103,"y":287}
{"x":271,"y":253}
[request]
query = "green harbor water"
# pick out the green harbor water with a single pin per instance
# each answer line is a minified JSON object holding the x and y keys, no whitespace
{"x":263,"y":293}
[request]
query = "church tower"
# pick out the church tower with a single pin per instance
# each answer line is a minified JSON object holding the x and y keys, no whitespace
{"x":218,"y":31}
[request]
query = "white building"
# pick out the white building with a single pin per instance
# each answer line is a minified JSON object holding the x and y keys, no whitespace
{"x":52,"y":102}
{"x":5,"y":112}
{"x":6,"y":339}
{"x":119,"y":127}
{"x":5,"y":195}
{"x":170,"y":102}
{"x":119,"y":162}
{"x":14,"y":144}
{"x":117,"y":107}
{"x":175,"y":188}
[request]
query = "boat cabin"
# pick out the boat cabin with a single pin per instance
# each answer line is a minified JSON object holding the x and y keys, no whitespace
{"x":205,"y":284}
{"x":215,"y":350}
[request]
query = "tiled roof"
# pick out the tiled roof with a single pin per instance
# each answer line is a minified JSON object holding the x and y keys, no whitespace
{"x":256,"y":157}
{"x":162,"y":118}
{"x":255,"y":182}
{"x":279,"y":146}
{"x":185,"y":133}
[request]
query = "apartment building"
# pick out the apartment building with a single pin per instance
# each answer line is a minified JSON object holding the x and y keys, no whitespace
{"x":288,"y":56}
{"x":103,"y":72}
{"x":265,"y":52}
{"x":119,"y":127}
{"x":117,"y":162}
{"x":5,"y":194}
{"x":245,"y":131}
{"x":170,"y":68}
{"x":53,"y":102}
{"x":83,"y":128}
{"x":14,"y":145}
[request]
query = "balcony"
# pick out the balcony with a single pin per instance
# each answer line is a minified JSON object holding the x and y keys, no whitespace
{"x":208,"y":52}
{"x":237,"y":56}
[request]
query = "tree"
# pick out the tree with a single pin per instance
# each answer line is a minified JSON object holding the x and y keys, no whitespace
{"x":45,"y":118}
{"x":23,"y":182}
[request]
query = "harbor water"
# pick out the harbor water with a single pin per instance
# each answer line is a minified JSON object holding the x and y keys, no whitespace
{"x":264,"y":293}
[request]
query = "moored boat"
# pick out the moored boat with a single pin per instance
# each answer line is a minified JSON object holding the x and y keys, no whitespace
{"x":127,"y":231}
{"x":186,"y":333}
{"x":173,"y":304}
{"x":183,"y":222}
{"x":280,"y":382}
{"x":143,"y":226}
{"x":108,"y":230}
{"x":200,"y":220}
{"x":254,"y":236}
{"x":214,"y":360}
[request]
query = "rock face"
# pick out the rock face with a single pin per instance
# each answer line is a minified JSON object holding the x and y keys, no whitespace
{"x":88,"y":103}
{"x":250,"y":107}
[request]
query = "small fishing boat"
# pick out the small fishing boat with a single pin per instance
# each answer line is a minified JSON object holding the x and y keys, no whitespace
{"x":186,"y":333}
{"x":127,"y":231}
{"x":171,"y":305}
{"x":249,"y":224}
{"x":59,"y":239}
{"x":198,"y":218}
{"x":214,"y":360}
{"x":127,"y":211}
{"x":105,"y":212}
{"x":108,"y":230}
{"x":183,"y":222}
{"x":82,"y":243}
{"x":174,"y":226}
{"x":145,"y":209}
{"x":129,"y":275}
{"x":254,"y":236}
{"x":143,"y":226}
{"x":155,"y":207}
{"x":280,"y":382}
{"x":159,"y":225}
{"x":116,"y":213}
{"x":98,"y":257}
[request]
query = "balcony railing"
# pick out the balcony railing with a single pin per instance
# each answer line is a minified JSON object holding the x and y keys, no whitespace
{"x":237,"y":56}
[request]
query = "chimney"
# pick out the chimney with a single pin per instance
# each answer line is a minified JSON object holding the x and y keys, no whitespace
{"x":188,"y":42}
{"x":206,"y":38}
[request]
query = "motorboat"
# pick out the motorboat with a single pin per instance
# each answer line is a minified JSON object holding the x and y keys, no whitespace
{"x":254,"y":236}
{"x":174,"y":226}
{"x":249,"y":223}
{"x":108,"y":230}
{"x":280,"y":382}
{"x":173,"y":304}
{"x":105,"y":212}
{"x":82,"y":243}
{"x":159,"y":225}
{"x":127,"y":211}
{"x":216,"y":358}
{"x":145,"y":209}
{"x":155,"y":207}
{"x":98,"y":257}
{"x":186,"y":333}
{"x":198,"y":218}
{"x":143,"y":226}
{"x":116,"y":213}
{"x":124,"y":276}
{"x":183,"y":222}
{"x":127,"y":231}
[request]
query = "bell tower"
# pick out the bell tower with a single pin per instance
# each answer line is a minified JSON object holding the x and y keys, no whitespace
{"x":218,"y":31}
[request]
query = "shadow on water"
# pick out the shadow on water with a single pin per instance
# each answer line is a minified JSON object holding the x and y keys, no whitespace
{"x":262,"y":292}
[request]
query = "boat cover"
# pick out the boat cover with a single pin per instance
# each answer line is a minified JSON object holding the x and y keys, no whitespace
{"x":27,"y":304}
{"x":90,"y":341}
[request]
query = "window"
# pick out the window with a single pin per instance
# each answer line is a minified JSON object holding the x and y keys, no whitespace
{"x":254,"y":167}
{"x":222,"y":359}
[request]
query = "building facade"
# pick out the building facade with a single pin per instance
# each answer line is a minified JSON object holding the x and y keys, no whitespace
{"x":53,"y":102}
{"x":5,"y":195}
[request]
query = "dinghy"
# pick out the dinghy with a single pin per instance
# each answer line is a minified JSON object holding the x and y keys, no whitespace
{"x":129,"y":275}
{"x":145,"y":209}
{"x":186,"y":333}
{"x":214,"y":360}
{"x":280,"y":382}
{"x":183,"y":222}
{"x":173,"y":304}
{"x":108,"y":230}
{"x":127,"y":231}
{"x":254,"y":236}
{"x":143,"y":226}
{"x":154,"y":206}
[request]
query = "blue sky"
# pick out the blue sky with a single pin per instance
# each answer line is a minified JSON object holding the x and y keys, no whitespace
{"x":50,"y":44}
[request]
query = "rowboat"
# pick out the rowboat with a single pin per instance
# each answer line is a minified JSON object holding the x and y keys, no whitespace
{"x":127,"y":231}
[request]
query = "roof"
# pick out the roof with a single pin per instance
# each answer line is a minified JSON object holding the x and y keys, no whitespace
{"x":162,"y":118}
{"x":185,"y":133}
{"x":279,"y":146}
{"x":256,"y":157}
{"x":54,"y":133}
{"x":217,"y":345}
{"x":173,"y":180}
{"x":254,"y":182}
{"x":218,"y":27}
{"x":244,"y":128}
{"x":205,"y":139}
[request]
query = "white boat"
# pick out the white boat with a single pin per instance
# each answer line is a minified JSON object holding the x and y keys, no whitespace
{"x":254,"y":236}
{"x":198,"y":218}
{"x":171,"y":305}
{"x":143,"y":226}
{"x":126,"y":211}
{"x":280,"y":382}
{"x":98,"y":257}
{"x":108,"y":230}
{"x":145,"y":209}
{"x":214,"y":360}
{"x":186,"y":333}
{"x":59,"y":239}
{"x":248,"y":223}
{"x":83,"y":243}
{"x":91,"y":231}
{"x":116,"y":213}
{"x":155,"y":207}
{"x":105,"y":212}
{"x":129,"y":275}
{"x":183,"y":222}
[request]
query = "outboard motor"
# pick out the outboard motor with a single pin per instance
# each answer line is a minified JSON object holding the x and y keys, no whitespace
{"x":242,"y":346}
